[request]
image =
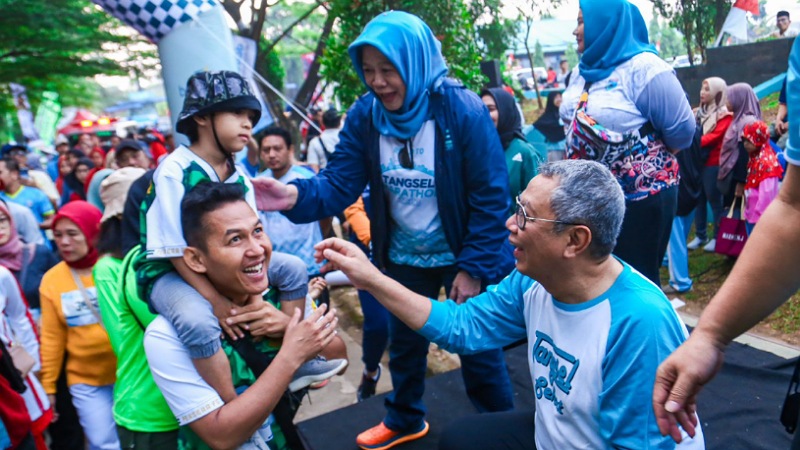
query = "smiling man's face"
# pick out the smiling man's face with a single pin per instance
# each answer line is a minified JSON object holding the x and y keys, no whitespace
{"x":237,"y":251}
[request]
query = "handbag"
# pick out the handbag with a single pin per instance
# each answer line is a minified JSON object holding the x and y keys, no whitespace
{"x":23,"y":360}
{"x":791,"y":405}
{"x":732,"y":234}
{"x":589,"y":139}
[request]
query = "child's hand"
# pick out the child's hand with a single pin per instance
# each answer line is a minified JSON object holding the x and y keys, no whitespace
{"x":223,"y":309}
{"x":262,"y":319}
{"x":316,"y":286}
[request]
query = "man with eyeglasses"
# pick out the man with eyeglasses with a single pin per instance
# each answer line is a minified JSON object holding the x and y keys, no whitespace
{"x":784,"y":23}
{"x":596,"y":328}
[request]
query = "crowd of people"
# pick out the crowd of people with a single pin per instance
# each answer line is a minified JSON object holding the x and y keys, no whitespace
{"x":156,"y":296}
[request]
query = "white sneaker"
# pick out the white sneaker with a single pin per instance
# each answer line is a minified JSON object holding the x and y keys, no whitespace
{"x":695,"y":244}
{"x":711,"y":247}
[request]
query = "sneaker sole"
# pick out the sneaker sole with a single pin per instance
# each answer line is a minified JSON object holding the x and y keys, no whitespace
{"x":397,"y":441}
{"x":305,"y":381}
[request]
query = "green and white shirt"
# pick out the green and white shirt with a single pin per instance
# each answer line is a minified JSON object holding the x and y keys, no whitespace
{"x":161,"y":230}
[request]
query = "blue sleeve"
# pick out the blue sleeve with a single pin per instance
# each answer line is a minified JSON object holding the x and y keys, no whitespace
{"x":340,"y":183}
{"x":487,"y":188}
{"x":793,"y":92}
{"x":664,"y":103}
{"x":491,"y":320}
{"x":644,"y":331}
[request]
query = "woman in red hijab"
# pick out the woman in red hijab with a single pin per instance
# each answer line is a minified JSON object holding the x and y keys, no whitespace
{"x":72,"y":328}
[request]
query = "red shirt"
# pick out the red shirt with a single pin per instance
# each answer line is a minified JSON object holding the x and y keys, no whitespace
{"x":714,"y":139}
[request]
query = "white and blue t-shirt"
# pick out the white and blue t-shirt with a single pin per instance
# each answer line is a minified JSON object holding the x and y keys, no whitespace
{"x":592,"y":364}
{"x":417,"y":238}
{"x":297,"y":239}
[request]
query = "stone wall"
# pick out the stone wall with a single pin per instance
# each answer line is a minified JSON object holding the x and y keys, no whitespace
{"x":748,"y":63}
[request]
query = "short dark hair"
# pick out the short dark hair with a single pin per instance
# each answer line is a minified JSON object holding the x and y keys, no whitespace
{"x":783,"y":14}
{"x":110,"y":240}
{"x":277,"y":131}
{"x":201,"y":200}
{"x":11,"y":164}
{"x":190,"y":130}
{"x":331,"y":119}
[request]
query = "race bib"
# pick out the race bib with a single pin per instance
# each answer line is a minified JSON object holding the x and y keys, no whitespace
{"x":76,"y":311}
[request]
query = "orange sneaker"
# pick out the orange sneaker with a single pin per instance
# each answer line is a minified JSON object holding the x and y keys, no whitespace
{"x":380,"y":437}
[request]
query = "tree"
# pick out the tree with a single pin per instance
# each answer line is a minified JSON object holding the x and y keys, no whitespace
{"x":571,"y":55}
{"x":538,"y":55}
{"x":494,"y":33}
{"x":529,"y":14}
{"x":55,"y":45}
{"x":665,"y":38}
{"x":700,"y":21}
{"x":451,"y":24}
{"x":267,"y":63}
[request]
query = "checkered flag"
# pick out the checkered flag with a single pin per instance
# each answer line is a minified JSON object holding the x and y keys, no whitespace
{"x":155,"y":18}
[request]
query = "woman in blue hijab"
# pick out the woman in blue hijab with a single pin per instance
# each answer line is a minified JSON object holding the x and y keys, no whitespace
{"x":627,"y":110}
{"x":435,"y":167}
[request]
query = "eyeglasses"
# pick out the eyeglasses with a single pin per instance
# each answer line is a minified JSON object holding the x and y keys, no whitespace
{"x":406,"y":155}
{"x":523,"y":218}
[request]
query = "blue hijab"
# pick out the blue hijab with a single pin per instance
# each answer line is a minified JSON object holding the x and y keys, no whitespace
{"x":614,"y":32}
{"x":408,"y":43}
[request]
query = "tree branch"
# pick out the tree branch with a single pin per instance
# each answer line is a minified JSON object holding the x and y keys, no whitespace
{"x":291,"y":26}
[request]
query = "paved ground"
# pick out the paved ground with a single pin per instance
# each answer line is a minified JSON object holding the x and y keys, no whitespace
{"x":341,"y":391}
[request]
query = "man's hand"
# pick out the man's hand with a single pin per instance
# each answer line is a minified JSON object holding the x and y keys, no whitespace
{"x":464,"y":287}
{"x":678,"y":381}
{"x":272,"y":195}
{"x":305,"y":339}
{"x":348,"y":258}
{"x":262,"y":319}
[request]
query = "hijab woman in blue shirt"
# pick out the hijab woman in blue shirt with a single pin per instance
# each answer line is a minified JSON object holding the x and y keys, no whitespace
{"x":439,"y":199}
{"x":632,"y":98}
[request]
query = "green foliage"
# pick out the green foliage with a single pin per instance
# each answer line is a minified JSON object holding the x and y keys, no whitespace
{"x":450,"y":21}
{"x":670,"y":42}
{"x":494,"y":33}
{"x":40,"y":38}
{"x":572,"y":55}
{"x":538,"y":55}
{"x":699,"y":21}
{"x":58,"y":45}
{"x":270,"y":66}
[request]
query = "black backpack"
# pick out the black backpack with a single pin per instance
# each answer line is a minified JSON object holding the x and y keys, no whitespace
{"x":691,"y":162}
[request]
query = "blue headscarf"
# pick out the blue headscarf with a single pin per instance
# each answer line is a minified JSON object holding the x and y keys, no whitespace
{"x":614,"y":32}
{"x":408,"y":43}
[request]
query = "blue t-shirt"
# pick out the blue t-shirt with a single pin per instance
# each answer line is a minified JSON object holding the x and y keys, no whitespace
{"x":33,"y":199}
{"x":296,"y":239}
{"x":592,"y":364}
{"x":416,"y":237}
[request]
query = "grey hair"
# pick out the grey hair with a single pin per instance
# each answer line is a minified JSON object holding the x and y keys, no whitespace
{"x":587,"y":194}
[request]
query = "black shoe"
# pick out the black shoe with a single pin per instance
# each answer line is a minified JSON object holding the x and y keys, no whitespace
{"x":367,"y":387}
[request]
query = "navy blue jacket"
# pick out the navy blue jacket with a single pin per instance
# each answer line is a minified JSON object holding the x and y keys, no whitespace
{"x":471,"y":182}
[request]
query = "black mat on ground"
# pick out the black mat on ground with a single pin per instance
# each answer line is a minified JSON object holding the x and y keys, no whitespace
{"x":738,"y":410}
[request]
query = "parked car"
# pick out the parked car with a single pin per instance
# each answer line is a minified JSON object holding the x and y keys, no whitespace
{"x":525,"y":78}
{"x":683,"y":61}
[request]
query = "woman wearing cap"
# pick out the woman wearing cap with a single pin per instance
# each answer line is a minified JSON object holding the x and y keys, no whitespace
{"x":72,"y":328}
{"x":435,"y":167}
{"x":627,"y":110}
